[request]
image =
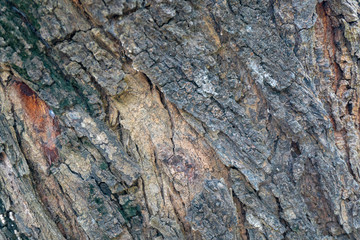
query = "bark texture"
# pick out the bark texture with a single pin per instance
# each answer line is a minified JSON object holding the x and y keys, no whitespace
{"x":179,"y":119}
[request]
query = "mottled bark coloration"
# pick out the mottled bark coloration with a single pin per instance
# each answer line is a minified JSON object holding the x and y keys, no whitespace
{"x":187,"y":119}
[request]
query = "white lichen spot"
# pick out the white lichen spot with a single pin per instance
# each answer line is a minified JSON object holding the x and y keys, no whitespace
{"x":2,"y":219}
{"x":202,"y":80}
{"x":17,"y":234}
{"x":260,"y":74}
{"x":11,"y":216}
{"x":254,"y":221}
{"x":101,"y":139}
{"x":271,"y":81}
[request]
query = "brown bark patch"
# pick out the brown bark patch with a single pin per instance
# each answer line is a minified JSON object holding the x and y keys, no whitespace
{"x":324,"y":33}
{"x":44,"y":126}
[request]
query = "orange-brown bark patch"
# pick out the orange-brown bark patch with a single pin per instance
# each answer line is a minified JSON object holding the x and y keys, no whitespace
{"x":44,"y":128}
{"x":325,"y":34}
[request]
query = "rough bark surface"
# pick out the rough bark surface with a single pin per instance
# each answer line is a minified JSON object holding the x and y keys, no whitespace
{"x":186,"y":119}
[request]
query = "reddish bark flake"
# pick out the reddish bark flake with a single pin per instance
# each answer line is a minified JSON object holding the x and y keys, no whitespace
{"x":40,"y":119}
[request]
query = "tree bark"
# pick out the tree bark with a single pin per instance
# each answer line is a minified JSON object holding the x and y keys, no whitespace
{"x":187,"y":119}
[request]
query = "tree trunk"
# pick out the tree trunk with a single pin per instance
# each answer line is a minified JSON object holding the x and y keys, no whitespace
{"x":186,"y":119}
